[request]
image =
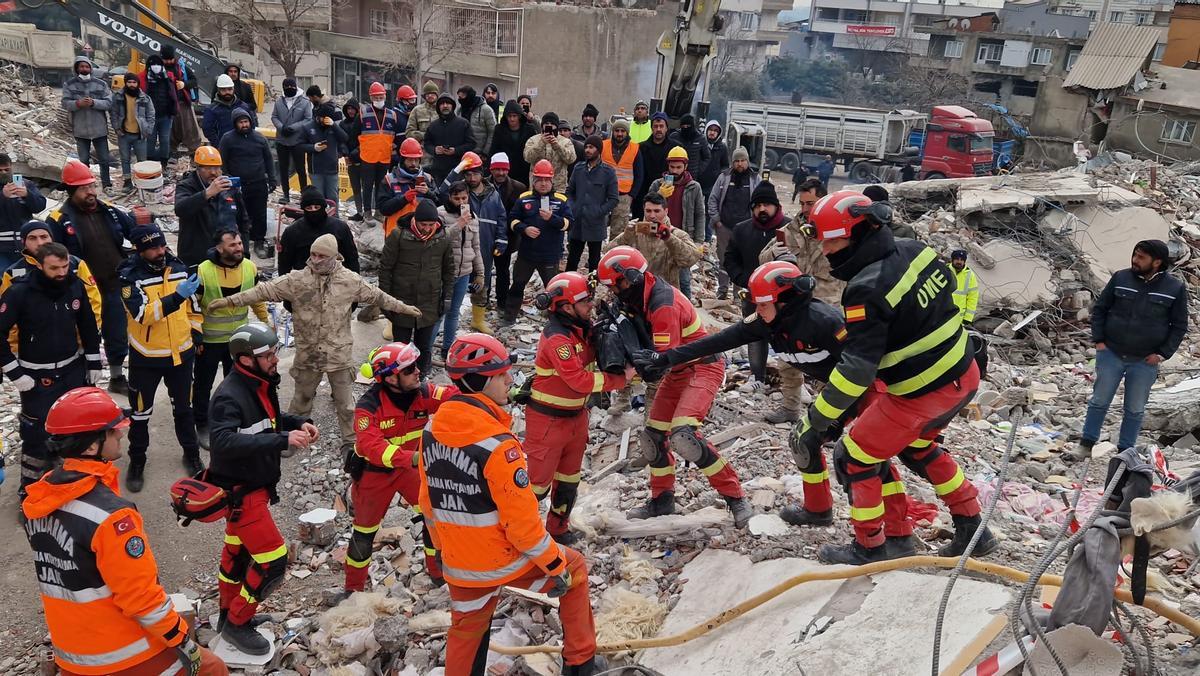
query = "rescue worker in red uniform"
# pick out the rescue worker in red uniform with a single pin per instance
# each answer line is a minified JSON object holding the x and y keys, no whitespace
{"x":249,"y":433}
{"x":556,"y":417}
{"x":387,"y":431}
{"x":904,"y":330}
{"x":483,"y":516}
{"x":685,"y":394}
{"x":106,"y":611}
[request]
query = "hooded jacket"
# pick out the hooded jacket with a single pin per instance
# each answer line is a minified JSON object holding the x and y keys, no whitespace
{"x":290,"y":121}
{"x":143,"y":109}
{"x":421,"y":272}
{"x":297,"y":239}
{"x":218,"y":119}
{"x":200,"y":218}
{"x":512,"y":142}
{"x":353,"y":128}
{"x":247,"y":156}
{"x":160,"y":88}
{"x":488,"y":208}
{"x":90,"y":122}
{"x":481,"y":117}
{"x":560,"y":151}
{"x":719,"y":162}
{"x":321,"y":309}
{"x":324,"y":162}
{"x":450,"y":131}
{"x":717,"y":194}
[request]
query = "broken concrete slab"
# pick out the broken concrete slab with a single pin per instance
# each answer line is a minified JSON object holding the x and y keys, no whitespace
{"x":1174,"y":409}
{"x":769,"y":637}
{"x":1020,"y":278}
{"x":1080,"y":650}
{"x":1106,"y":235}
{"x":987,"y":194}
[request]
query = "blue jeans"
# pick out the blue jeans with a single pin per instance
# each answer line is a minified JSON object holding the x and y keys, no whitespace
{"x":83,"y":147}
{"x":114,"y":328}
{"x":130,"y":145}
{"x":685,"y":282}
{"x":328,"y":185}
{"x":450,"y":321}
{"x":158,"y":146}
{"x":1110,"y":371}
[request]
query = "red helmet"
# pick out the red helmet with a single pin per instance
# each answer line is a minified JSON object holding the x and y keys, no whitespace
{"x":543,"y":169}
{"x":411,"y":147}
{"x":405,"y":93}
{"x":471,"y":161}
{"x":836,"y":214}
{"x":376,"y":89}
{"x":390,"y":358}
{"x":772,"y":279}
{"x":83,"y":410}
{"x":77,"y":173}
{"x":477,"y":353}
{"x":566,"y":288}
{"x":621,"y":262}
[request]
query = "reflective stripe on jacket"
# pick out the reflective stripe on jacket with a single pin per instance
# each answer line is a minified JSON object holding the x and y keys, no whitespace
{"x":564,"y":369}
{"x":623,"y":167}
{"x":966,"y":293}
{"x":160,"y":321}
{"x":387,"y":435}
{"x":219,"y":325}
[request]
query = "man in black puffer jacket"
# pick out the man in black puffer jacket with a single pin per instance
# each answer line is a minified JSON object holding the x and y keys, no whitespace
{"x":205,"y":202}
{"x":448,"y":137}
{"x":698,"y":150}
{"x":247,"y":156}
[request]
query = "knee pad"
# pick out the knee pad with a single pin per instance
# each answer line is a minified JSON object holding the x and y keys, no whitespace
{"x":687,"y":443}
{"x":842,"y":463}
{"x":272,"y":574}
{"x":564,"y":497}
{"x":361,"y":546}
{"x":651,"y":442}
{"x":918,"y":464}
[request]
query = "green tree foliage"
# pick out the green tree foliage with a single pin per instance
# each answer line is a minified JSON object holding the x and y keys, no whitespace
{"x":732,"y":86}
{"x":817,"y":78}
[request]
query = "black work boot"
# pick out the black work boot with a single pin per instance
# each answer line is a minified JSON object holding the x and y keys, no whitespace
{"x":799,"y":516}
{"x":119,"y":385}
{"x":661,"y":506}
{"x":964,"y":530}
{"x":741,"y":509}
{"x":192,"y":462}
{"x":853,"y":554}
{"x":202,"y":436}
{"x":901,"y":547}
{"x":245,"y":638}
{"x":566,"y":538}
{"x":133,"y":476}
{"x":597,"y":664}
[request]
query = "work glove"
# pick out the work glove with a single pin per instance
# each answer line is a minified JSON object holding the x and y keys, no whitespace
{"x":663,"y":231}
{"x":410,"y":311}
{"x":666,"y":190}
{"x":804,"y":442}
{"x":650,"y":364}
{"x":475,"y":286}
{"x":24,"y":383}
{"x":219,"y":304}
{"x":562,"y":584}
{"x":189,"y":655}
{"x":93,"y":376}
{"x":780,"y":251}
{"x":188,"y":287}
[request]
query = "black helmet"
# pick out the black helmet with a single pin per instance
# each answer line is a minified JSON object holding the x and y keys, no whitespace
{"x":252,"y":339}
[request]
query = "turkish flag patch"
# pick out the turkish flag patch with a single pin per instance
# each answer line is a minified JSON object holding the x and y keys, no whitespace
{"x":513,"y":454}
{"x":123,"y":525}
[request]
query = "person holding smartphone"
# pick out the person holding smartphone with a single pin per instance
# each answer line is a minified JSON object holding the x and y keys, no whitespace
{"x":321,"y":140}
{"x":19,"y":201}
{"x":542,"y":217}
{"x":557,"y":150}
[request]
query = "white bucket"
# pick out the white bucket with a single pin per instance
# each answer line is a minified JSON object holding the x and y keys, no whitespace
{"x":147,"y":175}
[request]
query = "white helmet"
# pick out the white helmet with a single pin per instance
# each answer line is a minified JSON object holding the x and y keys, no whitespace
{"x":224,"y":81}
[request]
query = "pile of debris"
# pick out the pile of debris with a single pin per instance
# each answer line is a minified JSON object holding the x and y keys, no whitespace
{"x":34,"y":126}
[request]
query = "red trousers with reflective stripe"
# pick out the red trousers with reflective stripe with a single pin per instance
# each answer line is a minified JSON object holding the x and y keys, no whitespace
{"x":471,"y":611}
{"x":160,"y":665}
{"x":555,"y":445}
{"x":887,"y":427}
{"x":372,"y":494}
{"x":683,"y":399}
{"x":255,"y":533}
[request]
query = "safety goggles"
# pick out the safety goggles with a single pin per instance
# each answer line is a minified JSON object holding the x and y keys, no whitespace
{"x":808,"y":230}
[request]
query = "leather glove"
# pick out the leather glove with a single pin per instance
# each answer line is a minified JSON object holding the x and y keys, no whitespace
{"x":663,"y":231}
{"x":562,"y":583}
{"x":188,"y":287}
{"x":804,"y":442}
{"x":650,"y":364}
{"x":24,"y":383}
{"x":189,"y":655}
{"x":219,"y":304}
{"x":93,"y":376}
{"x":475,"y":286}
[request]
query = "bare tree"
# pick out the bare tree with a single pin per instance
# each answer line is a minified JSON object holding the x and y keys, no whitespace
{"x":278,"y":27}
{"x":426,"y":34}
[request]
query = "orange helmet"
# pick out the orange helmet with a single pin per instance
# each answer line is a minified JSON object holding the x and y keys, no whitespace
{"x":477,"y":353}
{"x":621,"y":262}
{"x":405,"y":93}
{"x":411,"y":147}
{"x":390,"y":358}
{"x":772,"y":279}
{"x":543,"y":169}
{"x":566,"y":288}
{"x":83,"y":410}
{"x":207,"y":156}
{"x":77,"y":173}
{"x":377,"y":89}
{"x":836,"y":214}
{"x":471,"y":161}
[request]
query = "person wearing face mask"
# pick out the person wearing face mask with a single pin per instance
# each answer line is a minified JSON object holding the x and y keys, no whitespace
{"x":185,"y":130}
{"x":88,"y":99}
{"x":297,"y":239}
{"x":19,"y":202}
{"x":132,"y":117}
{"x":685,"y":204}
{"x":57,"y":348}
{"x":406,"y":101}
{"x":226,"y":271}
{"x":351,"y":123}
{"x":746,"y":241}
{"x":163,"y":316}
{"x":247,"y":155}
{"x":290,"y":117}
{"x":381,"y":128}
{"x":159,"y":85}
{"x":218,"y":116}
{"x":447,"y":138}
{"x":206,"y":203}
{"x":321,"y":140}
{"x":482,"y":118}
{"x":698,"y":151}
{"x":322,"y":295}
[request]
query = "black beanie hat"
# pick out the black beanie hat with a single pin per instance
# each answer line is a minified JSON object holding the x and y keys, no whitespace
{"x":765,"y":194}
{"x":426,"y":211}
{"x":147,"y":237}
{"x":550,"y":118}
{"x":590,"y":111}
{"x":35,"y":224}
{"x":311,"y":196}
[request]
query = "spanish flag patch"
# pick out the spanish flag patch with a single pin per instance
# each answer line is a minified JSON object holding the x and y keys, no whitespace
{"x":662,"y":339}
{"x":856,"y":313}
{"x":840,"y":335}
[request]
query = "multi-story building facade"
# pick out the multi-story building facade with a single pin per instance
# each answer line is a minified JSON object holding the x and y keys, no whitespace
{"x":1136,"y":12}
{"x":1183,"y":35}
{"x":752,"y":33}
{"x":846,"y":27}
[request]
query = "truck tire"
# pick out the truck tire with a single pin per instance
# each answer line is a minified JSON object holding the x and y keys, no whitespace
{"x":862,"y":172}
{"x":770,"y":159}
{"x":790,"y":162}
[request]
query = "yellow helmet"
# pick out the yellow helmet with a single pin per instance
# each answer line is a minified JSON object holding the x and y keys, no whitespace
{"x":677,"y":153}
{"x":207,"y":156}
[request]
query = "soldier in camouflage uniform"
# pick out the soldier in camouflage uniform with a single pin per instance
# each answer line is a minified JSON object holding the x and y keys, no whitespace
{"x":424,"y":114}
{"x":322,"y":297}
{"x":667,"y":249}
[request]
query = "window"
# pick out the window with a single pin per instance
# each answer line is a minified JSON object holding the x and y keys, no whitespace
{"x":1116,"y":17}
{"x":992,"y":87}
{"x":379,"y":23}
{"x":957,"y":143}
{"x":1092,"y":14}
{"x":1041,"y":56}
{"x":1159,"y":49}
{"x":1072,"y":57}
{"x":954,"y":49}
{"x":1025,"y":88}
{"x":747,"y":21}
{"x":1178,"y":131}
{"x":989,"y":52}
{"x":1142,"y":18}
